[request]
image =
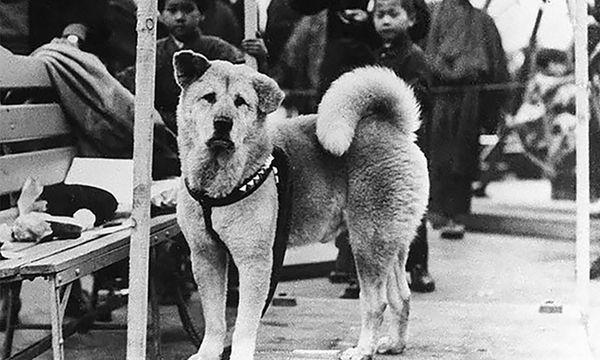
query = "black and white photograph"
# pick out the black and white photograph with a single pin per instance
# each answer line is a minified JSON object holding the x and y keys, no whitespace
{"x":300,"y":179}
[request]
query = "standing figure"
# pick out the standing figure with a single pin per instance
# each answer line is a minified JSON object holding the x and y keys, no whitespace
{"x":464,"y":50}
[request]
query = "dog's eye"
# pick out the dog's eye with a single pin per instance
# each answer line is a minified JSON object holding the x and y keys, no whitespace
{"x":239,"y":101}
{"x":210,"y":97}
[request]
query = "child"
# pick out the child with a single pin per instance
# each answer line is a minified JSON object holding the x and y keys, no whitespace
{"x":392,"y":19}
{"x":182,"y":19}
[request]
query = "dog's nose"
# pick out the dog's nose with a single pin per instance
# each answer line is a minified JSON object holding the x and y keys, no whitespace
{"x":223,"y":123}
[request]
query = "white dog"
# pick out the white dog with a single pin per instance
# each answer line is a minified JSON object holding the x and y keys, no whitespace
{"x":354,"y":165}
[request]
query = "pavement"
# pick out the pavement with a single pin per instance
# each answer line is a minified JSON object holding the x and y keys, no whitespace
{"x":490,"y":287}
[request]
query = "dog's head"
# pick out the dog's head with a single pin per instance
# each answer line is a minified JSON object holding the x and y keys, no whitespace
{"x":222,"y":111}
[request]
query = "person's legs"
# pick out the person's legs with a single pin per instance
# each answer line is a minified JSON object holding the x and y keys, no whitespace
{"x":417,"y":264}
{"x":457,"y":203}
{"x":344,"y":263}
{"x":595,"y":269}
{"x":345,"y":270}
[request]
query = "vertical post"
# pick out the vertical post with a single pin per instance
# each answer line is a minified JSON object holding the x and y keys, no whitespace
{"x":139,"y":248}
{"x":250,"y":27}
{"x":582,"y":160}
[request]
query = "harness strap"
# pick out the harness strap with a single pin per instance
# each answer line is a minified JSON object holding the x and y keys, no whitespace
{"x":281,"y":167}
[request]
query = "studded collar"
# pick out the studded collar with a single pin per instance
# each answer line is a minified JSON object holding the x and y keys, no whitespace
{"x":245,"y":189}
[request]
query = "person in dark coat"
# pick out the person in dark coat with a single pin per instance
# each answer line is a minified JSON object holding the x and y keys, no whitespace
{"x":26,"y":25}
{"x":220,"y":21}
{"x":349,"y":42}
{"x":281,"y":21}
{"x":464,"y":49}
{"x":350,"y":36}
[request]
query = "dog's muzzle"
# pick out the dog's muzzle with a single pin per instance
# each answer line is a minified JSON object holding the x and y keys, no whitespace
{"x":221,"y":141}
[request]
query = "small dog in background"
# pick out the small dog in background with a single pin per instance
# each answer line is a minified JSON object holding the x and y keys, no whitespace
{"x":353,"y":165}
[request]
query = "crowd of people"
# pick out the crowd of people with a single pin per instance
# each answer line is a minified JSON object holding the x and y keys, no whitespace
{"x":448,"y":45}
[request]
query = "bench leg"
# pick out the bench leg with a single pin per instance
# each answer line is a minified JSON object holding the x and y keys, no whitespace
{"x":12,"y":314}
{"x":155,"y":313}
{"x":58,"y":304}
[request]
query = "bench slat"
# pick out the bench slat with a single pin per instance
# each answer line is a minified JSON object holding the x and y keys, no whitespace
{"x":32,"y":252}
{"x":28,"y":122}
{"x":89,"y":251}
{"x":47,"y":166}
{"x":20,"y":71}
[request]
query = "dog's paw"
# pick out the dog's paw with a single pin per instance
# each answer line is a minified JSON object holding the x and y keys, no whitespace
{"x":387,"y":345}
{"x":354,"y":354}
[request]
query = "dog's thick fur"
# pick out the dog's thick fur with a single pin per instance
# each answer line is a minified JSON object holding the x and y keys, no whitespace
{"x":355,"y":164}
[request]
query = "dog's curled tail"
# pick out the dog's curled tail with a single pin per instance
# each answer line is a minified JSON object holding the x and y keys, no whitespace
{"x":359,"y":93}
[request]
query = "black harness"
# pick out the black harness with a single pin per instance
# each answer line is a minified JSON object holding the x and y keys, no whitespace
{"x":279,"y":164}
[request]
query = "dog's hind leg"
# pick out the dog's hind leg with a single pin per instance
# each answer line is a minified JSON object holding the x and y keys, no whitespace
{"x":373,"y":255}
{"x":398,"y":294}
{"x":209,"y":264}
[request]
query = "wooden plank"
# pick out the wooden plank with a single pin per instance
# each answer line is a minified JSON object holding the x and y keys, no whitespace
{"x":162,"y":228}
{"x":84,"y":260}
{"x":47,"y":166}
{"x":34,"y":252}
{"x":34,"y":121}
{"x":19,"y":71}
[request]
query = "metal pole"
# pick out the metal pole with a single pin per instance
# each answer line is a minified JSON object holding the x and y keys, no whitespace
{"x":250,"y":27}
{"x":582,"y":160}
{"x":139,"y":248}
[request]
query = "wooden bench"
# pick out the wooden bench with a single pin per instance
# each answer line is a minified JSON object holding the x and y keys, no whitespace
{"x":58,"y":262}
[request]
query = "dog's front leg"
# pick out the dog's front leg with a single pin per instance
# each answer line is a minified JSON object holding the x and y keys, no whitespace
{"x":254,"y":267}
{"x":209,"y":264}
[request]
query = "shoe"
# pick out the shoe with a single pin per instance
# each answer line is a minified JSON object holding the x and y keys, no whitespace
{"x":452,"y":230}
{"x":351,"y":292}
{"x":595,"y":269}
{"x":420,"y":280}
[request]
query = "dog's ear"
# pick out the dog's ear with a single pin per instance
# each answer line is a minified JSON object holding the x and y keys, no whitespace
{"x":189,"y":66}
{"x":270,"y":95}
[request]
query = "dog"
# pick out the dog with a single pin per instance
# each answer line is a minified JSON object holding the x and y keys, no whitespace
{"x":354,"y":166}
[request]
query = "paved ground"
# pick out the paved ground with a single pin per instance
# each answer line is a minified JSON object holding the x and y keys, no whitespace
{"x":485,"y":307}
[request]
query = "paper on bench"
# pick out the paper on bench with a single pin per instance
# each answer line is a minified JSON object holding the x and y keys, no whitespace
{"x":112,"y":175}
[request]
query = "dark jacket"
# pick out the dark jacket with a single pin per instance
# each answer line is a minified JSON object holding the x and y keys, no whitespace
{"x":349,"y":44}
{"x":409,"y":63}
{"x":220,"y":21}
